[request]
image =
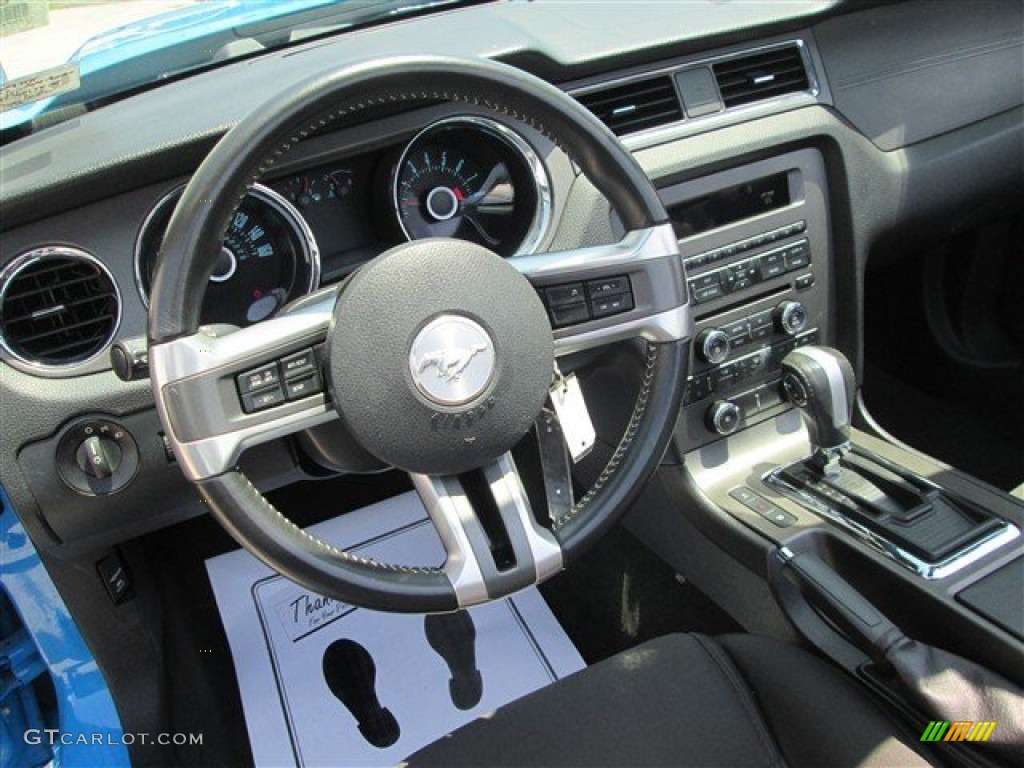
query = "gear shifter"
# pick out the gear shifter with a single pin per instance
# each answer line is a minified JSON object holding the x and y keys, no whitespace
{"x":849,"y":484}
{"x":821,"y":383}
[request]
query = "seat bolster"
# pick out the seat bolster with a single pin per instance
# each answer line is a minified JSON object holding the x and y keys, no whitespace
{"x":677,"y":700}
{"x":816,"y":714}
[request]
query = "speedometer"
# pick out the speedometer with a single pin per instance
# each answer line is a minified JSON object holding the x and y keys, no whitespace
{"x":267,"y":258}
{"x":475,"y":179}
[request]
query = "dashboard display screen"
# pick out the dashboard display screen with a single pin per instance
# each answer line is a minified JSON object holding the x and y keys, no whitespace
{"x":728,"y":205}
{"x":335,"y":201}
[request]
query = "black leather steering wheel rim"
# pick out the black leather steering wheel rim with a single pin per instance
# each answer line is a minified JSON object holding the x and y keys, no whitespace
{"x":251,"y":149}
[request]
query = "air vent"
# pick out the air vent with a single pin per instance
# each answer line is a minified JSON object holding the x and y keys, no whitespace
{"x":58,"y":306}
{"x":635,"y":106}
{"x":762,"y":75}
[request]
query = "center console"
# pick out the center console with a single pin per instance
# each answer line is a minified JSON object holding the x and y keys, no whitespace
{"x":936,"y":550}
{"x":755,"y":244}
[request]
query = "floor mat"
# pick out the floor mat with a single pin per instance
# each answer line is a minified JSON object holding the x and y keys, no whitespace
{"x":325,"y":683}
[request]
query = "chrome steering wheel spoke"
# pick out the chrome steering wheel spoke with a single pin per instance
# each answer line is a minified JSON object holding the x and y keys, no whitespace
{"x":198,"y":398}
{"x":471,"y":563}
{"x":649,"y":258}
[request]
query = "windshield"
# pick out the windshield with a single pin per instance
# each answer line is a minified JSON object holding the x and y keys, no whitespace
{"x":58,"y":59}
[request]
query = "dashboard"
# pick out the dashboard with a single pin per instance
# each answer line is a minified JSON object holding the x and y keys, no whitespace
{"x":775,"y":196}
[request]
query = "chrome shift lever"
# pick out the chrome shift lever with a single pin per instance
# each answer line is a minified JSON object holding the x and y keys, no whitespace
{"x":820,"y":382}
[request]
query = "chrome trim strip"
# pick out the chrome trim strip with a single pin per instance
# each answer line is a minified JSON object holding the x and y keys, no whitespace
{"x":212,"y":456}
{"x":209,"y":350}
{"x":967,"y":556}
{"x":300,"y":227}
{"x":450,"y":511}
{"x":636,"y":246}
{"x":672,"y":325}
{"x":542,"y":216}
{"x":210,"y":353}
{"x":507,"y":489}
{"x":635,"y":252}
{"x":29,"y":258}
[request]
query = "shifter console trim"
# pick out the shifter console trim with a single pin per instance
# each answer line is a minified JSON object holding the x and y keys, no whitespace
{"x":962,"y":558}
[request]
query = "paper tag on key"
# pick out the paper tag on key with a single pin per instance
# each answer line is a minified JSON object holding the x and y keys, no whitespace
{"x":571,"y":409}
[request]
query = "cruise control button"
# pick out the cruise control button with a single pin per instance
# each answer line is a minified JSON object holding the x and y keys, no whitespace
{"x":608,"y":286}
{"x":296,"y":389}
{"x":258,"y":378}
{"x":560,"y":295}
{"x":298,"y":364}
{"x":259,"y":401}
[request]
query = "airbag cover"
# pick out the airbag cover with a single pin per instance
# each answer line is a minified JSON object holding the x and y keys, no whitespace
{"x":439,"y":356}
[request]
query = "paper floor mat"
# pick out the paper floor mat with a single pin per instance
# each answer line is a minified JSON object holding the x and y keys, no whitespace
{"x":329,"y":684}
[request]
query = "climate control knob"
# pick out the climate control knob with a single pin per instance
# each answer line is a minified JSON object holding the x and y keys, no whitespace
{"x":713,"y":346}
{"x":790,"y":317}
{"x":723,"y":417}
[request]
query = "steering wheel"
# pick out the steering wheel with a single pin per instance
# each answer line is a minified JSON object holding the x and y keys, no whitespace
{"x":386,"y":342}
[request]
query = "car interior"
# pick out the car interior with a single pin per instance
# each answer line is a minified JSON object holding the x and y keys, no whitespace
{"x":700,"y":318}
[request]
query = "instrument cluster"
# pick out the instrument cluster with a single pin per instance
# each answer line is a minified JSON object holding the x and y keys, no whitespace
{"x":468,"y":177}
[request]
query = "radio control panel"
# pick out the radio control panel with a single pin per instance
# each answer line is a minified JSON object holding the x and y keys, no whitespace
{"x":755,"y":243}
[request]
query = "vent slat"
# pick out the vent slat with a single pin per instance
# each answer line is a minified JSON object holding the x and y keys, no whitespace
{"x":635,"y":106}
{"x":759,"y":76}
{"x":63,"y":286}
{"x":58,"y":309}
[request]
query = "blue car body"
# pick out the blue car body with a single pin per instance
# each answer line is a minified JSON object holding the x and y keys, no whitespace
{"x":138,"y":54}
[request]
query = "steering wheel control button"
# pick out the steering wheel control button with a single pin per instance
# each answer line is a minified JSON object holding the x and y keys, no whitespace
{"x":570,"y":315}
{"x":611,"y":305}
{"x":260,"y":401}
{"x":608,"y":286}
{"x":723,"y":417}
{"x":298,"y":388}
{"x":299,"y":364}
{"x":713,"y":345}
{"x":563,"y":295}
{"x":259,"y":378}
{"x":757,"y":503}
{"x":96,"y":457}
{"x":442,"y":357}
{"x":452,"y":360}
{"x":573,"y":303}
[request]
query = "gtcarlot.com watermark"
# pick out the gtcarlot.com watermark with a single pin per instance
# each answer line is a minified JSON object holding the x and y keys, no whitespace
{"x":54,"y":737}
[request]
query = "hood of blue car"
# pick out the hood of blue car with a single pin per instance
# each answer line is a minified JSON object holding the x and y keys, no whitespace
{"x":163,"y":45}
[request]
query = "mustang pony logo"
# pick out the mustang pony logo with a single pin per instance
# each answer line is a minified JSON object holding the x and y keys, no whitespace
{"x":450,"y":363}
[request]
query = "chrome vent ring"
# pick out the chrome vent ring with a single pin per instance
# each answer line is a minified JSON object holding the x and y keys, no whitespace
{"x":59,"y":307}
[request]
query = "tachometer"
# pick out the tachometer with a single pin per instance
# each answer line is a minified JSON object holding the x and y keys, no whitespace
{"x":475,"y":179}
{"x":268,"y":257}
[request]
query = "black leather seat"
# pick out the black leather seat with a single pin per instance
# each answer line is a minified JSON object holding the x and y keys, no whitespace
{"x":738,"y":700}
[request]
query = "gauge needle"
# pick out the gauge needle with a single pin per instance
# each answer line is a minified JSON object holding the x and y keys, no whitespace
{"x":496,"y":196}
{"x":497,"y":186}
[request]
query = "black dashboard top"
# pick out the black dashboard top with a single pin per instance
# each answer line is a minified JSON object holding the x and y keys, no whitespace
{"x":167,"y":130}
